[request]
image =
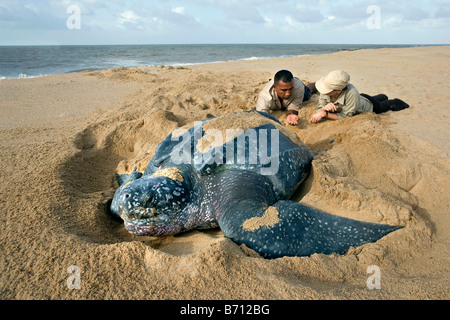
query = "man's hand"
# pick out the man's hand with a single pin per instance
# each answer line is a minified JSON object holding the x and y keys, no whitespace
{"x":292,"y":119}
{"x":318,"y":116}
{"x":331,"y":107}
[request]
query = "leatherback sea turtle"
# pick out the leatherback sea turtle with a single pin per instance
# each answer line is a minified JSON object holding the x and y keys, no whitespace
{"x":240,"y":180}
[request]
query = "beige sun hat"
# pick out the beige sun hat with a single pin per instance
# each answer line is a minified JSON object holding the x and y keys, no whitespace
{"x":335,"y":80}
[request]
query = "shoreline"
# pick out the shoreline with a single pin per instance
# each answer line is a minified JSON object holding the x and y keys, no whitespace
{"x":23,"y":75}
{"x":63,"y":137}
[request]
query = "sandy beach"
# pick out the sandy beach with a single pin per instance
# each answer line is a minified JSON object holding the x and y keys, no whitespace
{"x":63,"y":138}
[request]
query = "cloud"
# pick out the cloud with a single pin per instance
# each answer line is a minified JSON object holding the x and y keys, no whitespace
{"x":87,"y":7}
{"x":157,"y":22}
{"x":32,"y":7}
{"x":173,"y":21}
{"x":307,"y":14}
{"x":22,"y":16}
{"x":413,"y":13}
{"x":179,"y":10}
{"x":235,"y":11}
{"x":128,"y":17}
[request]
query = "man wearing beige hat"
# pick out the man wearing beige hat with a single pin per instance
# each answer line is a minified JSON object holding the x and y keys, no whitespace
{"x":339,"y":99}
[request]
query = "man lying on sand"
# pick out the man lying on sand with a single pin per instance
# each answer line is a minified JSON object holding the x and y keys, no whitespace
{"x":340,"y":99}
{"x":285,"y":92}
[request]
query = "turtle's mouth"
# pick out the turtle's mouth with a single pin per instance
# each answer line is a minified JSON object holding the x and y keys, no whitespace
{"x":146,"y":227}
{"x":155,"y":225}
{"x":138,"y":213}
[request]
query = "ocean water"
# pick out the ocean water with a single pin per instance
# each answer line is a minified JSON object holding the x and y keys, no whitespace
{"x":36,"y":61}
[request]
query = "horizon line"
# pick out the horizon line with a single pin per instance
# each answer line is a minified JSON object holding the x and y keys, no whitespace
{"x":204,"y":44}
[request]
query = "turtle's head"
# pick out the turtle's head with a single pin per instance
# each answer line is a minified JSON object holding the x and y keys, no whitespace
{"x":153,"y":205}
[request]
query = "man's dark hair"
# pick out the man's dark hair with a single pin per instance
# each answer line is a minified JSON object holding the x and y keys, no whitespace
{"x":284,"y":76}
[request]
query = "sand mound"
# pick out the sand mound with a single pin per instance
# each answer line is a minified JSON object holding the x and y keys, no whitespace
{"x":349,"y":179}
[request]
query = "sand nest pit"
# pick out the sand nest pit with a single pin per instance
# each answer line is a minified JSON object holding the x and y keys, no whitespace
{"x":113,"y":144}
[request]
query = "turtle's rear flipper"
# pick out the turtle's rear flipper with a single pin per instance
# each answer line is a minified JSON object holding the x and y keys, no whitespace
{"x":291,"y":229}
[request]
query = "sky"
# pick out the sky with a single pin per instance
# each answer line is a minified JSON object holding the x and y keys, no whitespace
{"x":67,"y":22}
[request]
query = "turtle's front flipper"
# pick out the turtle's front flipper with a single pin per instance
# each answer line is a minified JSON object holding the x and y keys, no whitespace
{"x":123,"y":180}
{"x":291,"y":229}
